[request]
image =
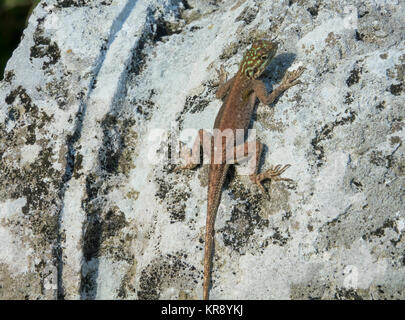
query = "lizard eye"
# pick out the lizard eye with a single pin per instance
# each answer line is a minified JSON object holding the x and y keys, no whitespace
{"x":255,"y":70}
{"x":264,"y":57}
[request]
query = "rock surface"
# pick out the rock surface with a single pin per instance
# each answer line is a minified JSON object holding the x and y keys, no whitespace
{"x":86,"y":214}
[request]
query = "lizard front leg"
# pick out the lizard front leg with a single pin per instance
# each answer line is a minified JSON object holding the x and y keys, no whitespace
{"x":289,"y":80}
{"x":224,"y":85}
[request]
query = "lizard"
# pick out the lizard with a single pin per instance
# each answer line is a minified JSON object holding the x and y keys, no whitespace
{"x":239,"y":96}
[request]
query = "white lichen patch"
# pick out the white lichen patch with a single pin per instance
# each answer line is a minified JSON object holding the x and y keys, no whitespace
{"x":13,"y":251}
{"x":29,"y":153}
{"x":315,"y":41}
{"x":92,"y":208}
{"x":11,"y":208}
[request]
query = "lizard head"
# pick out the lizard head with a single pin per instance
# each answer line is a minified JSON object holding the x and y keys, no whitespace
{"x":257,"y":58}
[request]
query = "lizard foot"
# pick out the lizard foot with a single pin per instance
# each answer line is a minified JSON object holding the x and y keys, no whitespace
{"x":222,"y":75}
{"x":272,"y":174}
{"x":290,"y":78}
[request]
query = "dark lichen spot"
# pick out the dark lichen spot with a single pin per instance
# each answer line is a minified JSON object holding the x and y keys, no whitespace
{"x":354,"y":77}
{"x":380,"y":106}
{"x":362,"y":14}
{"x":31,"y":138}
{"x":115,"y":144}
{"x":326,"y":133}
{"x":315,"y":289}
{"x":395,"y":140}
{"x":93,"y":224}
{"x":359,"y":36}
{"x":186,"y":5}
{"x":380,"y":231}
{"x":278,"y":238}
{"x":163,"y":29}
{"x":59,"y":90}
{"x":310,"y":291}
{"x":100,"y":227}
{"x":44,"y":48}
{"x":144,"y":108}
{"x":13,"y":114}
{"x":286,"y":216}
{"x":347,"y":294}
{"x":9,"y":76}
{"x":109,"y":153}
{"x":113,"y":222}
{"x":77,"y":166}
{"x":30,"y":117}
{"x":348,"y":98}
{"x":195,"y":28}
{"x":37,"y":189}
{"x":10,"y":98}
{"x":70,"y":3}
{"x":377,"y":158}
{"x":397,"y":89}
{"x":21,"y":93}
{"x":245,"y":220}
{"x":139,"y":56}
{"x":314,"y":10}
{"x":196,"y":103}
{"x":356,"y":185}
{"x":156,"y":29}
{"x":247,"y":15}
{"x":175,"y":198}
{"x":163,"y":272}
{"x":230,"y":50}
{"x":92,"y":238}
{"x":397,"y":124}
{"x":101,"y":224}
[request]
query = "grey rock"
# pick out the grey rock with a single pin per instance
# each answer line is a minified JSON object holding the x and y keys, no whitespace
{"x":90,"y":207}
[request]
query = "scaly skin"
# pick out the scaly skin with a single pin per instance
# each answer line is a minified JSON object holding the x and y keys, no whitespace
{"x":239,"y":95}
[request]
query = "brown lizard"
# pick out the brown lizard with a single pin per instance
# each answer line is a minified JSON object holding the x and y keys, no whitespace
{"x":239,"y":96}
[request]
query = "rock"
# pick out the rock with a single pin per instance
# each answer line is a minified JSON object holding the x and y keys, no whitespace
{"x":90,"y":210}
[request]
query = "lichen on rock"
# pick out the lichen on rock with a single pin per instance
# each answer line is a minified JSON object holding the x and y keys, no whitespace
{"x":87,"y":213}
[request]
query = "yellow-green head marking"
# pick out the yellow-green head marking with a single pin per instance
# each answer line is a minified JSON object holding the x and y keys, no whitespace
{"x":257,"y":58}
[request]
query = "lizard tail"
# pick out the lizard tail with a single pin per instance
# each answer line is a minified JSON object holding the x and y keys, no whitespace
{"x":209,"y":243}
{"x":216,"y":180}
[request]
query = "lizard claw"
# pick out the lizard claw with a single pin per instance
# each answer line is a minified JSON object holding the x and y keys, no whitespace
{"x":222,"y":75}
{"x":272,"y":174}
{"x":290,"y":78}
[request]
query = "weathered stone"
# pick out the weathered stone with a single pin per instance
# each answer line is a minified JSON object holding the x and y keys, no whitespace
{"x":86,"y":212}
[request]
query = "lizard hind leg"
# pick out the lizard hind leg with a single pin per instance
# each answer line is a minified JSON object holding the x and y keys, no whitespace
{"x":273,"y":173}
